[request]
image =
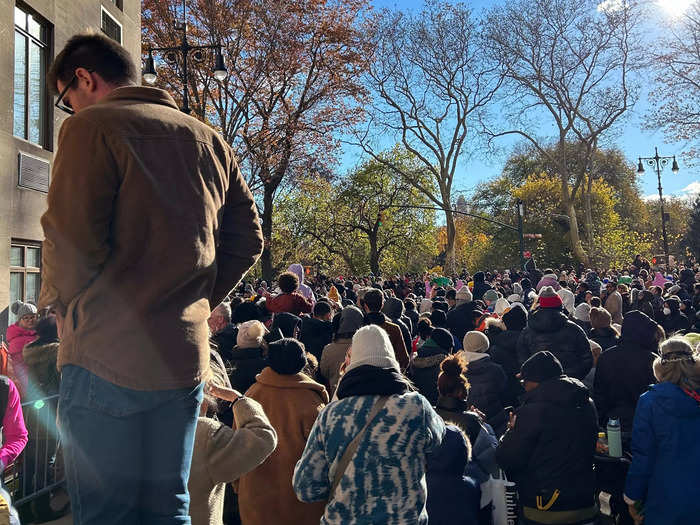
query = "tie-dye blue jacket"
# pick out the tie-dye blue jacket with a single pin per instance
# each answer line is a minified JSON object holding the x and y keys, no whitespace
{"x":385,"y":481}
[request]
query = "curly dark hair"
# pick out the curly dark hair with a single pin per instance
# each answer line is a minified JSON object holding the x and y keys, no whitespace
{"x":288,"y":282}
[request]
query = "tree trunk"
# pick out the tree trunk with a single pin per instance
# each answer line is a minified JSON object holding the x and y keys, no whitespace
{"x":266,"y":257}
{"x":373,"y":253}
{"x":576,"y":246}
{"x":588,"y":226}
{"x":450,"y":258}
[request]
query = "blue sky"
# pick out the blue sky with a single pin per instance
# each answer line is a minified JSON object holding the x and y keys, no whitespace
{"x":632,"y":139}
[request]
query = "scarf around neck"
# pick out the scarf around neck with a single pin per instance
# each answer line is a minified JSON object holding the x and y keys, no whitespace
{"x":367,"y":380}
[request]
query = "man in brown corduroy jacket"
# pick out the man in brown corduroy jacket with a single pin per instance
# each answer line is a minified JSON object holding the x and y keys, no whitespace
{"x":149,"y":226}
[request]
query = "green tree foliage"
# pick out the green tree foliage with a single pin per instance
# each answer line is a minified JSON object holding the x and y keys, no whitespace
{"x":367,"y":221}
{"x":692,"y":237}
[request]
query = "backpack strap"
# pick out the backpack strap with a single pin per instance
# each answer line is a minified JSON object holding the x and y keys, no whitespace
{"x":352,"y":447}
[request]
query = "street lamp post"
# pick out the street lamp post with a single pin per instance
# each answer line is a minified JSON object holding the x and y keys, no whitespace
{"x":660,"y":163}
{"x":520,"y":233}
{"x":184,"y":49}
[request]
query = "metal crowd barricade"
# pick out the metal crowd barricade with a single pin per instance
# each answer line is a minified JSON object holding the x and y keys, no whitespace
{"x":37,"y":471}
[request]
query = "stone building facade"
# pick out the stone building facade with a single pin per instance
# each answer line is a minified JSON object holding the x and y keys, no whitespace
{"x":32,"y":33}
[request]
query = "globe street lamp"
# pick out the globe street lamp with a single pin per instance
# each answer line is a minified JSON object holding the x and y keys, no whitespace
{"x":185,"y":51}
{"x":660,"y":163}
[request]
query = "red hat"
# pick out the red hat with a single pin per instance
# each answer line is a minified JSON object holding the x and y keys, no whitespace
{"x":549,"y":298}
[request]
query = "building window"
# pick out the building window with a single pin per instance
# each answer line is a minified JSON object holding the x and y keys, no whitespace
{"x":119,"y":4}
{"x":25,"y":273}
{"x":111,"y":27}
{"x":30,"y":98}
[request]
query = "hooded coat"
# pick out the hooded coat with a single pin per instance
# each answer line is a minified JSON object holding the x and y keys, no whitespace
{"x":425,"y":369}
{"x":304,"y":289}
{"x":503,"y":347}
{"x":616,"y":393}
{"x":665,"y":456}
{"x":551,"y":448}
{"x":244,"y":365}
{"x":292,"y":404}
{"x":453,"y":498}
{"x":315,"y":334}
{"x":676,"y":321}
{"x":606,"y":337}
{"x":480,"y":286}
{"x":393,"y":309}
{"x":488,"y":384}
{"x":613,"y":304}
{"x":549,"y":329}
{"x":460,"y":319}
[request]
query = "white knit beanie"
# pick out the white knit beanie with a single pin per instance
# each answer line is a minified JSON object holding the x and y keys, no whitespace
{"x":250,"y":334}
{"x":501,"y":306}
{"x":371,"y":346}
{"x":583,"y":312}
{"x":464,"y":295}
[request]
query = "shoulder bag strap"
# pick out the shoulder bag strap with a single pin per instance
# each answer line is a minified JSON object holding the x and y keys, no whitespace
{"x":352,"y":447}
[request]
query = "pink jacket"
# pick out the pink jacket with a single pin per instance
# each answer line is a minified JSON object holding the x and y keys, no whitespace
{"x":14,"y":433}
{"x":18,"y":337}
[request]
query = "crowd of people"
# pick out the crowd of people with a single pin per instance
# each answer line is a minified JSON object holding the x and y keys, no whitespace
{"x":460,"y":379}
{"x":399,"y":400}
{"x":366,"y":399}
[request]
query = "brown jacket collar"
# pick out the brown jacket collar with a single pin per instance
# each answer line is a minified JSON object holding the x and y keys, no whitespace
{"x":271,"y":378}
{"x":142,"y":94}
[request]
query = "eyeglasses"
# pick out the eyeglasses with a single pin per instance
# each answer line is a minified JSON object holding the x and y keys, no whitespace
{"x":65,"y":107}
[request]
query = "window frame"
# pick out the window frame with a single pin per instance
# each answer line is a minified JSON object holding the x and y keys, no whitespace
{"x":103,"y":11}
{"x":45,"y":141}
{"x":25,"y":270}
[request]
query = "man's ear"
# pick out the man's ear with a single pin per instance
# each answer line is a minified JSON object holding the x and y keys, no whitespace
{"x":86,"y":78}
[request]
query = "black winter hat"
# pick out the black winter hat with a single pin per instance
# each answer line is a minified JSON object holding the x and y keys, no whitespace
{"x":438,"y":318}
{"x":286,"y":356}
{"x":515,"y":318}
{"x":540,"y":367}
{"x":443,"y":338}
{"x":638,"y":326}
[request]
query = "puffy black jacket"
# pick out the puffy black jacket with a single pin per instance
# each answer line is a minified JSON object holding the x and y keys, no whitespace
{"x":676,"y":322}
{"x":480,"y":286}
{"x":315,"y":334}
{"x":243,"y":366}
{"x":623,"y":373}
{"x":605,"y":337}
{"x":551,"y":446}
{"x":460,"y":319}
{"x":503,"y":348}
{"x":487,"y":386}
{"x":424,"y":373}
{"x":413,"y":315}
{"x":549,"y":329}
{"x":225,"y":340}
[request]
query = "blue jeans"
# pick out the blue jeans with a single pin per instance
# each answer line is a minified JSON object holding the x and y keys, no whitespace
{"x":127,"y":452}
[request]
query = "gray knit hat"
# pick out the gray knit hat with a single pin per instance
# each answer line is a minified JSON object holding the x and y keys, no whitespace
{"x":351,"y":320}
{"x":21,"y":309}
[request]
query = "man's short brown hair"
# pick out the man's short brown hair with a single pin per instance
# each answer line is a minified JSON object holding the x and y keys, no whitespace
{"x":374,"y":299}
{"x":288,"y":282}
{"x":95,"y":52}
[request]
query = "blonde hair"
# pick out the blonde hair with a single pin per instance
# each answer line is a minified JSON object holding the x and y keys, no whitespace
{"x":679,"y":364}
{"x":217,"y":377}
